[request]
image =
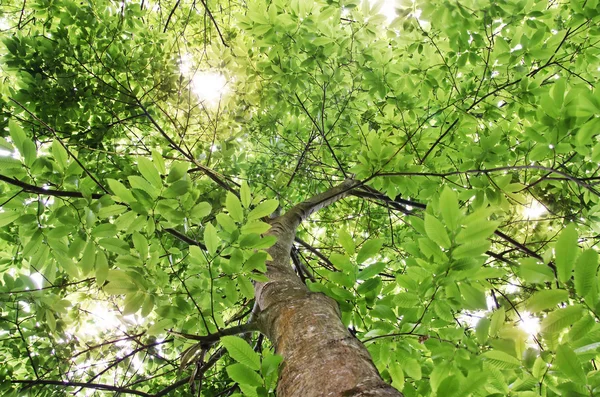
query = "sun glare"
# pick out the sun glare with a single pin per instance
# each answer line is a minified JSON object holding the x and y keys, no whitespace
{"x":102,"y":317}
{"x":534,"y":210}
{"x":209,"y":86}
{"x":529,"y":323}
{"x":388,"y":8}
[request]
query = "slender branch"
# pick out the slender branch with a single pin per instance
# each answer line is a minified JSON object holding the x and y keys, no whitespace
{"x":216,"y":177}
{"x":24,"y":291}
{"x":62,"y":144}
{"x":438,"y":140}
{"x":315,"y":252}
{"x":85,"y":385}
{"x":171,"y":16}
{"x":212,"y":338}
{"x":181,"y":382}
{"x":497,"y":169}
{"x":173,"y":144}
{"x":212,"y":18}
{"x":45,"y":192}
{"x":322,"y":135}
{"x":185,"y":238}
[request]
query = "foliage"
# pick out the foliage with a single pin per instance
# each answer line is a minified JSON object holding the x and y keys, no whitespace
{"x":131,"y":207}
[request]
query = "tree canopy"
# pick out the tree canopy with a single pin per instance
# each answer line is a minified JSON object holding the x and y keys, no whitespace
{"x":143,"y":146}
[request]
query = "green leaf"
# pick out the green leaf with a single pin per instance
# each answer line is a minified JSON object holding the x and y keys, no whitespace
{"x":149,"y":172}
{"x":559,"y":319}
{"x":141,"y":244}
{"x":406,"y":300}
{"x":501,"y":360}
{"x":17,"y":135}
{"x":371,"y":270}
{"x":5,"y":145}
{"x":177,"y":171}
{"x":581,"y":328}
{"x":449,"y":208}
{"x":471,"y":249}
{"x":159,"y":161}
{"x":133,"y":302}
{"x":369,"y":249}
{"x":497,"y":321}
{"x":436,"y":231}
{"x":369,"y":285}
{"x":586,"y":269}
{"x":533,"y":272}
{"x":101,"y":268}
{"x":226,"y":222}
{"x":482,"y":330}
{"x":569,"y":364}
{"x":270,"y":364}
{"x":588,"y":130}
{"x":346,"y":241}
{"x":177,"y":189}
{"x":257,"y":227}
{"x":546,"y":299}
{"x":9,"y":162}
{"x":566,"y":251}
{"x":244,"y":375}
{"x":474,"y":298}
{"x":8,"y":217}
{"x":241,"y":351}
{"x":137,"y":182}
{"x":200,"y":210}
{"x":341,"y":262}
{"x":477,"y":229}
{"x":256,"y":261}
{"x":60,"y":154}
{"x":111,"y":210}
{"x":265,"y":208}
{"x":234,"y":265}
{"x":234,"y":206}
{"x":121,"y":191}
{"x":412,"y":368}
{"x":211,"y":240}
{"x":249,"y":240}
{"x":245,"y":195}
{"x":66,"y":264}
{"x":265,"y":242}
{"x":115,"y":245}
{"x":88,"y":259}
{"x":119,"y":286}
{"x":397,"y":374}
{"x":29,"y":152}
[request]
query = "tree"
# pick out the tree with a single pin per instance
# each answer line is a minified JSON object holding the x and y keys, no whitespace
{"x":162,"y":165}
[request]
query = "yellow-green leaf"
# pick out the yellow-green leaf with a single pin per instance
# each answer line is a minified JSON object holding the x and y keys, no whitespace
{"x":546,"y":299}
{"x":149,"y":172}
{"x":211,"y":240}
{"x":566,"y":251}
{"x":241,"y":351}
{"x":569,"y":364}
{"x":436,"y":231}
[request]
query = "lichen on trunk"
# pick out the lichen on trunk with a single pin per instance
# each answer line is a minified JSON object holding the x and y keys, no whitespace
{"x":321,"y":357}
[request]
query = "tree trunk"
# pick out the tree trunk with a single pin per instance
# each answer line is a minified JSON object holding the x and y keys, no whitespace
{"x":320,"y":356}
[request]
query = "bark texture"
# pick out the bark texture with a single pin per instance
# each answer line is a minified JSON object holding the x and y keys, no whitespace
{"x":321,"y":357}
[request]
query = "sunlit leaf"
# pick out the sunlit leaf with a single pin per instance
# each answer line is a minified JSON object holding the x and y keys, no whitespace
{"x":241,"y":351}
{"x":566,"y":251}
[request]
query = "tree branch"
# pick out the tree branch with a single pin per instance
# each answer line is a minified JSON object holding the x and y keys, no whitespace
{"x":212,"y":338}
{"x":45,"y":192}
{"x":97,"y":386}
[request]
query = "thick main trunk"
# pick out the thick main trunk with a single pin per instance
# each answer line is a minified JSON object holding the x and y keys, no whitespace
{"x":321,"y":357}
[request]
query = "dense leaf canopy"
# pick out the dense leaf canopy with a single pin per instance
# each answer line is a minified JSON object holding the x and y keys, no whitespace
{"x":144,"y":143}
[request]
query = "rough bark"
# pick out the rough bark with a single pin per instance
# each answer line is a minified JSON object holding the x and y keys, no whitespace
{"x":321,"y":357}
